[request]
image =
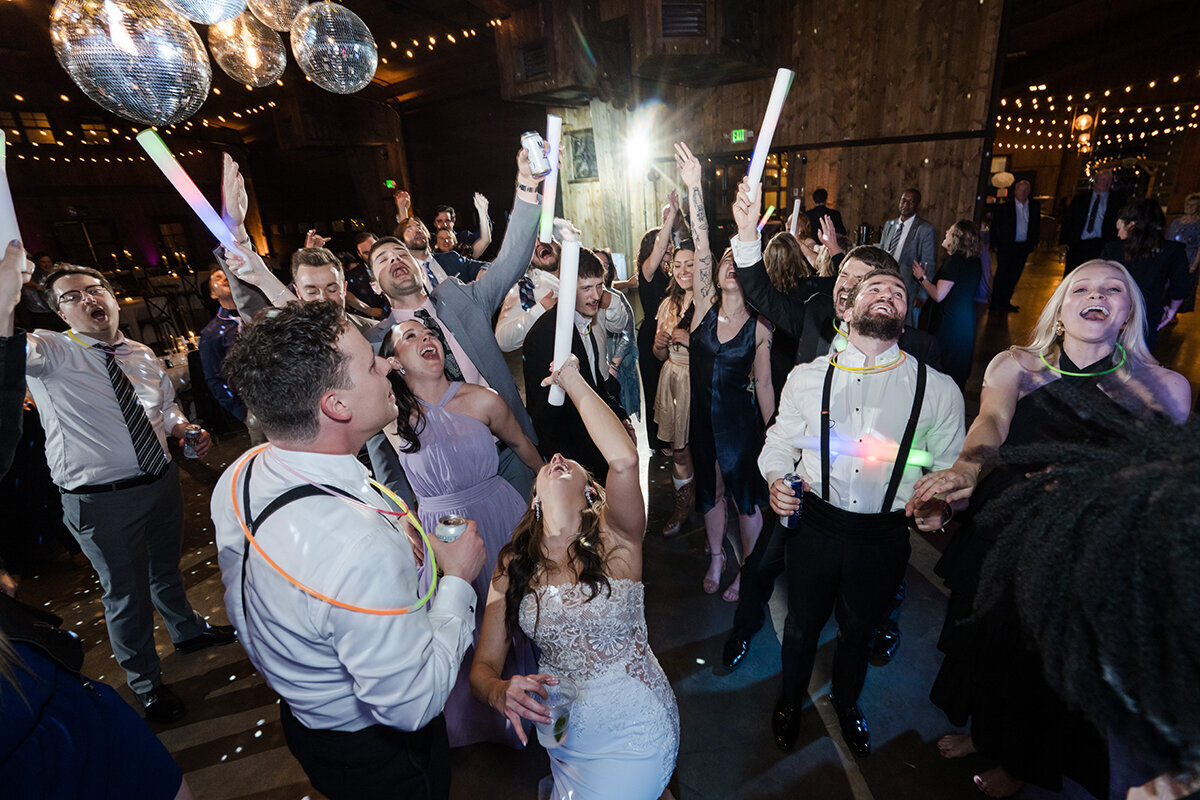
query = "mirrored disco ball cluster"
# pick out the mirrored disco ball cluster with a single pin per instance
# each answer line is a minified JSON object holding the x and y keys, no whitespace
{"x":334,"y":47}
{"x":135,"y":58}
{"x":248,"y":51}
{"x":277,"y":14}
{"x":207,"y":12}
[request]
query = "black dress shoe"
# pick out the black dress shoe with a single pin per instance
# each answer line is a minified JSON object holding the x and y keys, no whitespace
{"x":213,"y":635}
{"x":160,"y":704}
{"x":785,"y":725}
{"x":854,"y":727}
{"x":884,"y":647}
{"x":735,"y":650}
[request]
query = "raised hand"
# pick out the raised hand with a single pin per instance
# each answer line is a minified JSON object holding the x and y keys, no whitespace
{"x":481,"y":205}
{"x":15,"y":272}
{"x":314,"y":239}
{"x":746,"y":208}
{"x":403,"y":204}
{"x":234,"y":200}
{"x":828,"y":235}
{"x":689,"y":166}
{"x":248,"y":266}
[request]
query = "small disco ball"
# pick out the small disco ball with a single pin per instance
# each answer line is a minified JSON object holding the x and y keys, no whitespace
{"x":277,"y":14}
{"x":208,"y":12}
{"x":334,"y":47}
{"x":136,"y":58}
{"x":248,"y":51}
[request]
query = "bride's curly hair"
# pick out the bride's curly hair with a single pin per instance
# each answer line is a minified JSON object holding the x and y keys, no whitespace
{"x":522,"y":558}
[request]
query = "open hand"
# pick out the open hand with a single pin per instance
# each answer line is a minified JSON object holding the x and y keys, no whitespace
{"x":828,"y":236}
{"x":403,"y":204}
{"x":514,"y":703}
{"x":481,"y":205}
{"x":671,"y":209}
{"x":314,"y":239}
{"x":956,"y":483}
{"x":234,"y":200}
{"x":689,"y":166}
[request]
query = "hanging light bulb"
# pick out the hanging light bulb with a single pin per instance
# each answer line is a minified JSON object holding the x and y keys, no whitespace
{"x":248,"y":51}
{"x":207,"y":12}
{"x":334,"y":47}
{"x":277,"y":14}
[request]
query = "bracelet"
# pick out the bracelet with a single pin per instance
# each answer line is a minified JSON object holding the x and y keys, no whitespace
{"x":522,"y":187}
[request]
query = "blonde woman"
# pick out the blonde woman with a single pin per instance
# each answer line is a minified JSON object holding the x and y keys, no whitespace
{"x":673,"y":398}
{"x":953,"y":290}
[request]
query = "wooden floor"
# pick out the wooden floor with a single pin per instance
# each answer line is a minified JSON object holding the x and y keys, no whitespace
{"x":230,"y":744}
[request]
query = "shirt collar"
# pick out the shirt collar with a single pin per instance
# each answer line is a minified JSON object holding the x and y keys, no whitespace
{"x":332,"y":468}
{"x":583,"y":324}
{"x":91,"y":341}
{"x":402,"y":314}
{"x":851,"y":356}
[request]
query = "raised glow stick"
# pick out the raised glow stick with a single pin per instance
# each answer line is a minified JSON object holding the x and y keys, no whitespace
{"x":564,"y":322}
{"x":8,"y":214}
{"x":156,"y":148}
{"x":783,"y":82}
{"x":794,"y":222}
{"x":550,"y":182}
{"x":870,"y":450}
{"x":762,"y":223}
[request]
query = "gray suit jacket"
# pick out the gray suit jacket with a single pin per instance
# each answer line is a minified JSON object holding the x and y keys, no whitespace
{"x":920,"y":245}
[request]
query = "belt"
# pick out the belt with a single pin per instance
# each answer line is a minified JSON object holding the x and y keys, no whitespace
{"x":128,"y":483}
{"x":852,"y":526}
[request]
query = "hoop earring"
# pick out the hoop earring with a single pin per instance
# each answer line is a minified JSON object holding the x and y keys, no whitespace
{"x":1059,"y":328}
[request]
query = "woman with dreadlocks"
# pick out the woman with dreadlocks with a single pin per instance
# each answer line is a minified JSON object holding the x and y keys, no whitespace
{"x":1089,"y":335}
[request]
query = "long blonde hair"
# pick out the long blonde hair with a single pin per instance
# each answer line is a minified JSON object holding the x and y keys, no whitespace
{"x":1046,"y":340}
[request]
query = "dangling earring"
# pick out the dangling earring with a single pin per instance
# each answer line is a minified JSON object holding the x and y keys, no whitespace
{"x":589,"y":494}
{"x":537,"y":508}
{"x":1058,"y":328}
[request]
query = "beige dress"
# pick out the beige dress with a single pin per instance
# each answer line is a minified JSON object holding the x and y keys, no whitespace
{"x":673,"y":403}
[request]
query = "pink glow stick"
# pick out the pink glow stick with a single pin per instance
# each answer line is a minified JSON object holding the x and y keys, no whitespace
{"x":157,"y":149}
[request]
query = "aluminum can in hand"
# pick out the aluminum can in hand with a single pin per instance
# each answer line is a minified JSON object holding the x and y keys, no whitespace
{"x":191,"y":438}
{"x":535,"y":146}
{"x":450,"y":527}
{"x":792,"y":521}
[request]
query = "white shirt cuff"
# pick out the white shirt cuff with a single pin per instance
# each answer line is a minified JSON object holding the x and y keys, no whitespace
{"x":456,"y":596}
{"x":746,"y":254}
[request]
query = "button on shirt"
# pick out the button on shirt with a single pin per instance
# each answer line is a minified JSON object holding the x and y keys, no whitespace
{"x":338,"y":669}
{"x":87,"y":439}
{"x":862,"y":406}
{"x":470,"y":372}
{"x":514,"y":322}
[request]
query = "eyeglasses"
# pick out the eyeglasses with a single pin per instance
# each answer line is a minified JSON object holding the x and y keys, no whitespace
{"x":98,"y":290}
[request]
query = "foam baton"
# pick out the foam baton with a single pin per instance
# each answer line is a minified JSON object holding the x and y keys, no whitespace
{"x":550,"y":183}
{"x":758,"y":161}
{"x":564,"y":321}
{"x":157,"y":149}
{"x":8,"y":214}
{"x":868,"y":450}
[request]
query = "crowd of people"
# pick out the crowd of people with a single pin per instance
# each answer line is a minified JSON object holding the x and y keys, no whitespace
{"x":808,"y":390}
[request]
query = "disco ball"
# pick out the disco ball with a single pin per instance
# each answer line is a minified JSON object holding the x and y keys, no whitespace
{"x":334,"y":47}
{"x":248,"y":51}
{"x":277,"y":14}
{"x":136,"y":58}
{"x":208,"y":12}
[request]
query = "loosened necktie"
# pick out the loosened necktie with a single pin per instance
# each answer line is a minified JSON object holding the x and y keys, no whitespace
{"x":146,"y":446}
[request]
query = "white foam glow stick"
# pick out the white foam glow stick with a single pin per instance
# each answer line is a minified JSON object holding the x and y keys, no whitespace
{"x":564,"y":322}
{"x":758,"y":161}
{"x":869,"y":450}
{"x":550,"y":182}
{"x":794,"y":222}
{"x":157,"y":149}
{"x":8,"y":214}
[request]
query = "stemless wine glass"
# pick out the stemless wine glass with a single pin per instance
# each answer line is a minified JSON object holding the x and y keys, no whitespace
{"x":558,"y":702}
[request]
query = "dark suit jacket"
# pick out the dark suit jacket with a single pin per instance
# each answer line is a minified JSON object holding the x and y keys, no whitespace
{"x":12,"y":396}
{"x":1004,"y":226}
{"x":560,"y":429}
{"x":1077,"y":213}
{"x":817,"y":213}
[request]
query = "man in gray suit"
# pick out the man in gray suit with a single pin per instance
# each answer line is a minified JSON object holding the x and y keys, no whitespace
{"x":910,"y":238}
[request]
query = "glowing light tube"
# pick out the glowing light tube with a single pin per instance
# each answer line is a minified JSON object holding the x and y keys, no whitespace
{"x":157,"y":149}
{"x":794,"y":222}
{"x":564,"y":322}
{"x":783,"y":82}
{"x":550,"y":185}
{"x":762,"y":223}
{"x":870,"y":450}
{"x":8,"y":214}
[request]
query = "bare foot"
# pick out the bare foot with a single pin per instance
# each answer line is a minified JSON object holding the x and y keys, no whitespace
{"x":956,"y":745}
{"x":998,"y":783}
{"x":712,"y":579}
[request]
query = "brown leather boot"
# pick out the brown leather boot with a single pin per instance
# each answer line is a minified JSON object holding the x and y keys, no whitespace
{"x":685,"y":499}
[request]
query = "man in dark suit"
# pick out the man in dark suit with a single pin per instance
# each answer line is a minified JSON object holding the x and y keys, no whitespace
{"x":819,"y":211}
{"x":910,"y":238}
{"x":560,"y":429}
{"x":1015,"y":233}
{"x":1091,"y":221}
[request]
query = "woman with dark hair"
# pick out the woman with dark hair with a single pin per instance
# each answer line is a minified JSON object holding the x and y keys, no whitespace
{"x":1089,"y":337}
{"x":1159,"y":266}
{"x":571,"y":580}
{"x":793,"y":276}
{"x":653,"y":274}
{"x":445,"y":438}
{"x":953,"y":320}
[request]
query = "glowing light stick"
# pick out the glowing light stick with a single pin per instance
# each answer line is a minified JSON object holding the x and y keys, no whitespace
{"x":564,"y":322}
{"x":870,"y":450}
{"x":762,"y":223}
{"x":156,"y":148}
{"x":794,"y":222}
{"x":783,"y":82}
{"x":550,"y":185}
{"x":8,"y":214}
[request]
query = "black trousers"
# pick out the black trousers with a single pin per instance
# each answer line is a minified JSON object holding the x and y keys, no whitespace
{"x":1081,"y":251}
{"x":372,"y":764}
{"x":846,"y":564}
{"x":1010,"y":263}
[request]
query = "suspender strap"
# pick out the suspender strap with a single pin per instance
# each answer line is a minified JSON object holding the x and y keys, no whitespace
{"x":906,"y":442}
{"x":825,"y":392}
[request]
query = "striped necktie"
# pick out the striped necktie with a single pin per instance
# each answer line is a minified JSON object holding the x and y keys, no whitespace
{"x":433,"y":281}
{"x":150,"y":456}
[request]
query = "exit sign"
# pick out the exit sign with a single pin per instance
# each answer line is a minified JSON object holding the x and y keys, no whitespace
{"x":737,"y":136}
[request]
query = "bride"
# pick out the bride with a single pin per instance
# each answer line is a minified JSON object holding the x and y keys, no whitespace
{"x":571,"y":580}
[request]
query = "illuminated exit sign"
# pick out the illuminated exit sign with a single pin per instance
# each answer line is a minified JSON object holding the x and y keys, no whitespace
{"x":737,"y":136}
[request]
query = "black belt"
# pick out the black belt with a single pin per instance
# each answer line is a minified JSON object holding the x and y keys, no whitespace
{"x":853,"y":526}
{"x":128,"y":483}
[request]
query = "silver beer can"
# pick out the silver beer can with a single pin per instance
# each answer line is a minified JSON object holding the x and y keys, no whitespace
{"x":535,"y":146}
{"x":450,"y":527}
{"x":191,"y":438}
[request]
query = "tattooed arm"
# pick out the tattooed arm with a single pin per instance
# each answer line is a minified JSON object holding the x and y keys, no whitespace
{"x":702,"y":283}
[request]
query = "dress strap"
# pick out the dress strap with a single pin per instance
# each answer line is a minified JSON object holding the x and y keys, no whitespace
{"x":451,"y":390}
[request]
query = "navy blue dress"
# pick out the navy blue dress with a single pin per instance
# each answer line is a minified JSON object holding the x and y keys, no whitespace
{"x":726,"y":427}
{"x":954,"y":317}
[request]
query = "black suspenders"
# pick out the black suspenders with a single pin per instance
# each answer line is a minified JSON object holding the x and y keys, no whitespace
{"x":905,"y":443}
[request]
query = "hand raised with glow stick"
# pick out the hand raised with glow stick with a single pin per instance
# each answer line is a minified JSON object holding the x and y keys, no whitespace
{"x":746,"y":206}
{"x":15,"y":272}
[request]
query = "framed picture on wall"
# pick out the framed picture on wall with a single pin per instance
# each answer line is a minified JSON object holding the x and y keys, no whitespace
{"x":581,"y":156}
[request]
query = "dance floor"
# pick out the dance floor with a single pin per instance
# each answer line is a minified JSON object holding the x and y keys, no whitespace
{"x":230,"y":744}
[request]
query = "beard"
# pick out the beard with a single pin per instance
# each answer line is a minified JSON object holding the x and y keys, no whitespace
{"x":879,"y":326}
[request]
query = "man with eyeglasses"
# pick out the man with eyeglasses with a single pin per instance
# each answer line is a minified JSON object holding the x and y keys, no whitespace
{"x":108,"y":407}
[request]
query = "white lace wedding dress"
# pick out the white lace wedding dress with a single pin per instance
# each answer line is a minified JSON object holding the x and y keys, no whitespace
{"x":623,"y":732}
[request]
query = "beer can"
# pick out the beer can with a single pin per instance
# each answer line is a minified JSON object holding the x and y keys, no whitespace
{"x":792,"y":521}
{"x":191,"y":438}
{"x":535,"y":146}
{"x":450,"y":527}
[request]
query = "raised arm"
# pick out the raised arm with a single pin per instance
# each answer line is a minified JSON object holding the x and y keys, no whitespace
{"x":15,"y":272}
{"x":702,"y":284}
{"x":234,"y":202}
{"x":485,"y":226}
{"x":784,"y":312}
{"x":936,"y":291}
{"x":246,"y":265}
{"x":663,"y":239}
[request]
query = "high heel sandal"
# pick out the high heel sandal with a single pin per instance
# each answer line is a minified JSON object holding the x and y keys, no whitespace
{"x":710,"y":584}
{"x":733,"y":591}
{"x":685,"y":498}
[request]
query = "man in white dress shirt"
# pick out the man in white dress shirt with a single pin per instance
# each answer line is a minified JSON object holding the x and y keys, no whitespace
{"x":108,"y":407}
{"x":851,"y":546}
{"x":530,"y":298}
{"x":362,"y":692}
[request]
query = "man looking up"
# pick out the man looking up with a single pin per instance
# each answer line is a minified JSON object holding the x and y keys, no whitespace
{"x":108,"y":407}
{"x":216,"y":340}
{"x":362,"y":693}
